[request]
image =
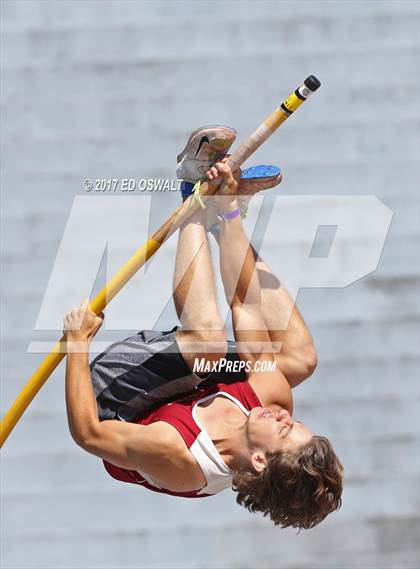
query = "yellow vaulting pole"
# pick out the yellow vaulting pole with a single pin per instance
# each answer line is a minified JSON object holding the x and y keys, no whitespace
{"x":179,"y":216}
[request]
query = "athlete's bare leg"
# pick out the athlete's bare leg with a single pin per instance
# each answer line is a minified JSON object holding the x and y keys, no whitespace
{"x":194,"y":291}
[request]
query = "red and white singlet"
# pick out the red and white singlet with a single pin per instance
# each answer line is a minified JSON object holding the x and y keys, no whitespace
{"x":182,"y":415}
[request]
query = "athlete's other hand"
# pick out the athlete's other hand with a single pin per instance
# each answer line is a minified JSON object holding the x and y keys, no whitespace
{"x":81,"y":324}
{"x":229,"y":187}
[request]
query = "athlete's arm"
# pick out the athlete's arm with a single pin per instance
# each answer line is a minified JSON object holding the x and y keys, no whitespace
{"x":126,"y":445}
{"x":242,"y":290}
{"x":80,"y":326}
{"x":253,"y":347}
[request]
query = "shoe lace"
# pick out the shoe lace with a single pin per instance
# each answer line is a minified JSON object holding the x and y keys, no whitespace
{"x":196,"y":192}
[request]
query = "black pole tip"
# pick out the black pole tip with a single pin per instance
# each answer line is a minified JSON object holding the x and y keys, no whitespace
{"x":312,"y":83}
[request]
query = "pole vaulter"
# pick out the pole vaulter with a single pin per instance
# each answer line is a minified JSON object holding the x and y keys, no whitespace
{"x":153,"y":243}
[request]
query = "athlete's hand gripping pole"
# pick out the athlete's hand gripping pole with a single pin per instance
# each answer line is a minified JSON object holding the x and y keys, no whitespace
{"x":180,"y":215}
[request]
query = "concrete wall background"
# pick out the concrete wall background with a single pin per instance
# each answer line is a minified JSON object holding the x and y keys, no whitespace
{"x":111,"y":89}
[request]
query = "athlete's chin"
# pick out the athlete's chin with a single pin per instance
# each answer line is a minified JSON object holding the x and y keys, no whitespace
{"x":254,"y":414}
{"x":260,"y":414}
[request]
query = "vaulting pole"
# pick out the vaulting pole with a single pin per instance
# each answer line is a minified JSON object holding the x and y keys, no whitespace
{"x":179,"y":216}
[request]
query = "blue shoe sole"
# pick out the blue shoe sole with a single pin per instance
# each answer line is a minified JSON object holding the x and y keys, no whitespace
{"x":253,"y":173}
{"x":260,"y":171}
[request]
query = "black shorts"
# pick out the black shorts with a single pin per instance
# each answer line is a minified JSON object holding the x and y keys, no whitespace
{"x":140,"y":373}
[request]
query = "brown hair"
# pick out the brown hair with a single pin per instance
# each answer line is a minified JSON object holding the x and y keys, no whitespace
{"x":296,"y":488}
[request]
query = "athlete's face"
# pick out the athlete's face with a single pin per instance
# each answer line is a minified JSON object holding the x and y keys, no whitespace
{"x":270,"y":431}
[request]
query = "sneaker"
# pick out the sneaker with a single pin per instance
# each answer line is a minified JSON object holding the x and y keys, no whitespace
{"x":205,"y":146}
{"x":256,"y":179}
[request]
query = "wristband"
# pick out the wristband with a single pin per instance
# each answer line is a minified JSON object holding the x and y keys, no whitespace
{"x":230,"y":214}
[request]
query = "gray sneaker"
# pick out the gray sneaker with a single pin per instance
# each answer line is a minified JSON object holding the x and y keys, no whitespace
{"x":205,"y":146}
